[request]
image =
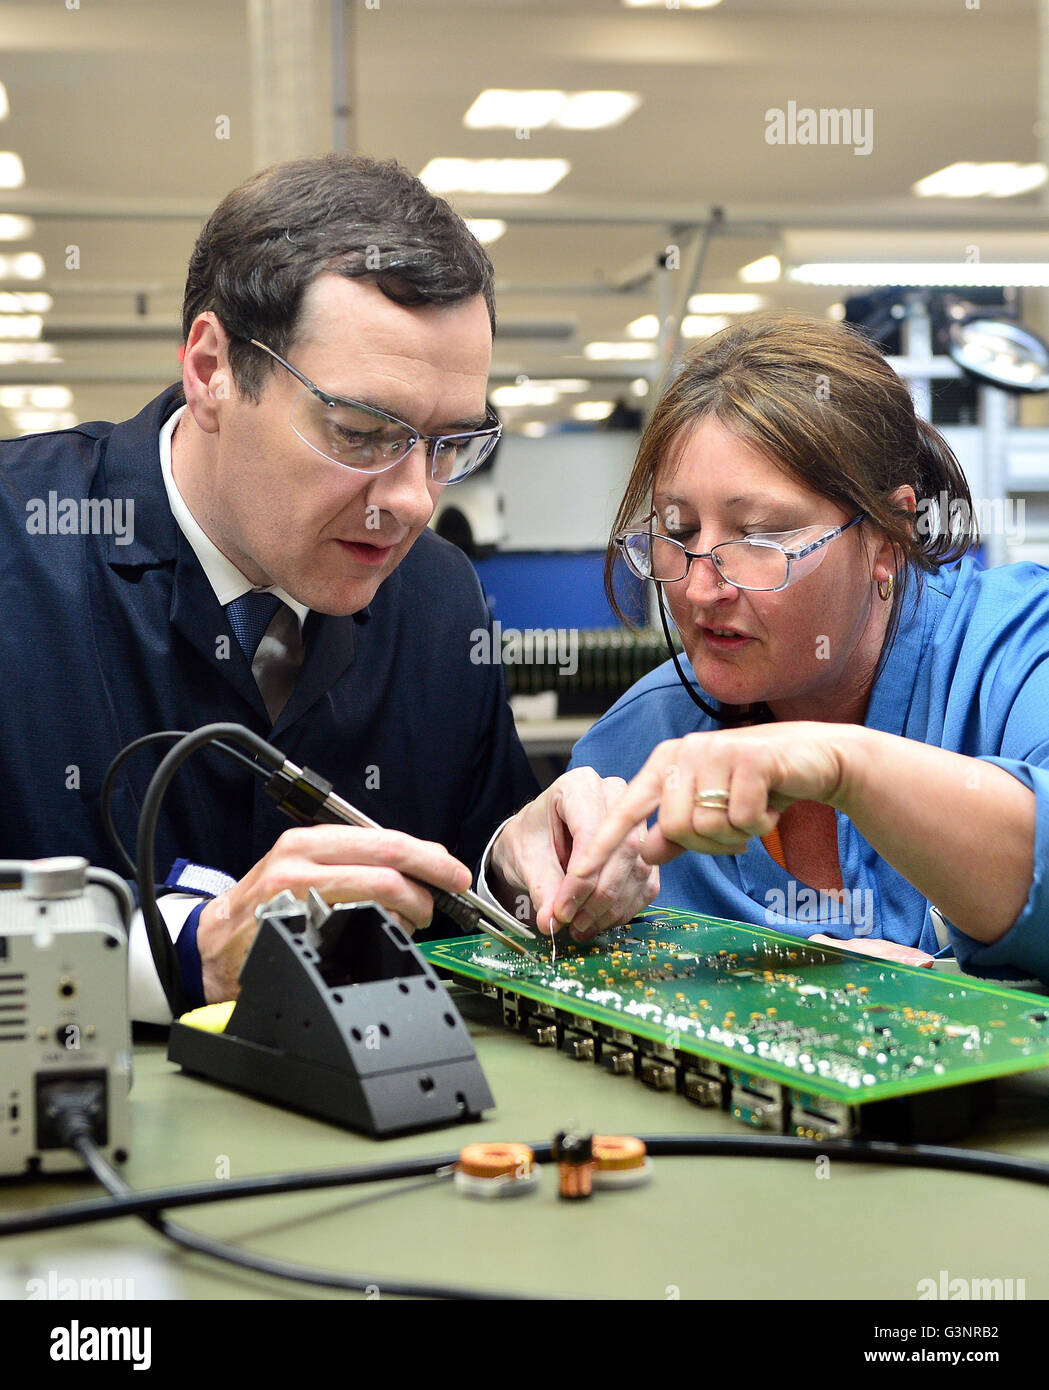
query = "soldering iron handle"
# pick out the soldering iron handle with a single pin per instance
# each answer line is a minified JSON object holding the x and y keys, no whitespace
{"x":460,"y":912}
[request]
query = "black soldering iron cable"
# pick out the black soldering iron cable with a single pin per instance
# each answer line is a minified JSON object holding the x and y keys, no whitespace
{"x":131,"y":1203}
{"x":114,"y":767}
{"x":160,"y":943}
{"x":267,"y":1264}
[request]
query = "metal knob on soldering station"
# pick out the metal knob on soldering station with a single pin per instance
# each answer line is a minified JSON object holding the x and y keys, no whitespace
{"x":64,"y":876}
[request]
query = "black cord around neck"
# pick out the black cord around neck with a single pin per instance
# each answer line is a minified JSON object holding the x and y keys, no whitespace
{"x":729,"y":715}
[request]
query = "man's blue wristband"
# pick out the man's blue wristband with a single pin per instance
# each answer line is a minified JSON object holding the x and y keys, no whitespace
{"x":189,"y":960}
{"x":188,"y":877}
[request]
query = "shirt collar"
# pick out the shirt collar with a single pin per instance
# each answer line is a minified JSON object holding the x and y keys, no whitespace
{"x":222,"y":574}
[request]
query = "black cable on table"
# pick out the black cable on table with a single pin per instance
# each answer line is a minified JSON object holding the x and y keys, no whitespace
{"x":125,"y":1202}
{"x":268,"y":1264}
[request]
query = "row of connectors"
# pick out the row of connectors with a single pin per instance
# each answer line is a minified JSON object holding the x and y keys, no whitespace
{"x":766,"y":1105}
{"x":755,"y":1100}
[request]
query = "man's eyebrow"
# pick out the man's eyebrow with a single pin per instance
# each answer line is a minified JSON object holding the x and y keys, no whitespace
{"x":476,"y":422}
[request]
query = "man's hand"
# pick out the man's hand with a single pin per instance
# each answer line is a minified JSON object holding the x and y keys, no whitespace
{"x":345,"y":865}
{"x":535,"y":856}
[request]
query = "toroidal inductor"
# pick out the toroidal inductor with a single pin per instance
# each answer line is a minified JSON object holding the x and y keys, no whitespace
{"x":500,"y":1169}
{"x":620,"y":1160}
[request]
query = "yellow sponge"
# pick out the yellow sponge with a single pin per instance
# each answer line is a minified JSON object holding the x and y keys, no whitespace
{"x":212,"y":1018}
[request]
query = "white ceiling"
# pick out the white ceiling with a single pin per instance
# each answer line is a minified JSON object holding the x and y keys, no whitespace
{"x":114,"y":104}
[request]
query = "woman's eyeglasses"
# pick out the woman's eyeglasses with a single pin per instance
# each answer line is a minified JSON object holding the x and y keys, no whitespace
{"x":764,"y":563}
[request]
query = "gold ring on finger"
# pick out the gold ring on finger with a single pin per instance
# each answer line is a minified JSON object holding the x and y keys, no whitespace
{"x":713,"y":799}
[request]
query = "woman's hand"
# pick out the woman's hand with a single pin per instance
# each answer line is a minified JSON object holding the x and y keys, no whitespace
{"x":762,"y":770}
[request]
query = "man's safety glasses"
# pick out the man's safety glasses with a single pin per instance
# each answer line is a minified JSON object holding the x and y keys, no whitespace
{"x":370,"y":441}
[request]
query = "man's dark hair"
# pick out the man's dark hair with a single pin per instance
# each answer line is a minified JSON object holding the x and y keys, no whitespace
{"x":363,"y":218}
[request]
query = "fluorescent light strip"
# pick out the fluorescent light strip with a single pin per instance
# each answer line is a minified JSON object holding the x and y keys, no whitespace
{"x":692,"y":325}
{"x":725,"y":303}
{"x":486,"y":229}
{"x":448,"y":175}
{"x":593,"y":410}
{"x":763,"y":271}
{"x":619,"y":352}
{"x":979,"y":273}
{"x":36,"y":397}
{"x":20,"y":326}
{"x":1004,"y":179}
{"x":662,"y":4}
{"x":40,"y":421}
{"x":565,"y":384}
{"x":703,"y":325}
{"x":526,"y":395}
{"x":596,"y":110}
{"x":25,"y":302}
{"x":502,"y":108}
{"x":15,"y":227}
{"x":647,"y":326}
{"x":13,"y":353}
{"x":12,"y":170}
{"x":23,"y":265}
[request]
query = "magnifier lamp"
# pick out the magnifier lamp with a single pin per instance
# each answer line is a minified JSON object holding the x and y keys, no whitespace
{"x":1000,"y":353}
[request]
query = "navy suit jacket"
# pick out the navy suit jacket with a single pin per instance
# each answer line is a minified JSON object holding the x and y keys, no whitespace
{"x":101,"y":642}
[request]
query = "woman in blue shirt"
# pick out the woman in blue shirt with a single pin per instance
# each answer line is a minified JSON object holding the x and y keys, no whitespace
{"x":869,"y":758}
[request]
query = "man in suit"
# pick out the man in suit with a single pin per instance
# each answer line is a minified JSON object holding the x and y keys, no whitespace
{"x":273,"y":568}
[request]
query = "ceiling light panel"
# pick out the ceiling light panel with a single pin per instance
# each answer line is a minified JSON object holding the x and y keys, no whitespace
{"x":486,"y":229}
{"x":12,"y":170}
{"x":619,"y":352}
{"x":15,"y":227}
{"x":448,"y":175}
{"x":503,"y":108}
{"x":596,"y":110}
{"x":989,"y":180}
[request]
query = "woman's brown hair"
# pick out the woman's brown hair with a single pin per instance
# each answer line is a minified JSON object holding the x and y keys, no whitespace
{"x":820,"y":402}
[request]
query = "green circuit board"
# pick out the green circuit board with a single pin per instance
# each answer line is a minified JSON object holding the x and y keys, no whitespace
{"x":768,"y":1016}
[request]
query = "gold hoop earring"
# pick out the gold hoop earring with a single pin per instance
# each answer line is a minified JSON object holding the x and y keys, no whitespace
{"x":885,"y":588}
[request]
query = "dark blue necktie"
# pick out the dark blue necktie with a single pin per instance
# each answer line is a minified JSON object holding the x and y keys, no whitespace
{"x":249,"y":617}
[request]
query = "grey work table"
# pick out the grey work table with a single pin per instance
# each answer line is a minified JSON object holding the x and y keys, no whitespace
{"x":706,"y":1228}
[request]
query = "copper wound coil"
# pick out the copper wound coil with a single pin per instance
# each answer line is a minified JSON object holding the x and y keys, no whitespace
{"x":618,"y":1152}
{"x":496,"y":1160}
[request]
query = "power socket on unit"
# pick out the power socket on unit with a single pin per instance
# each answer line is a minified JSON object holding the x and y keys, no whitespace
{"x":65,"y":1032}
